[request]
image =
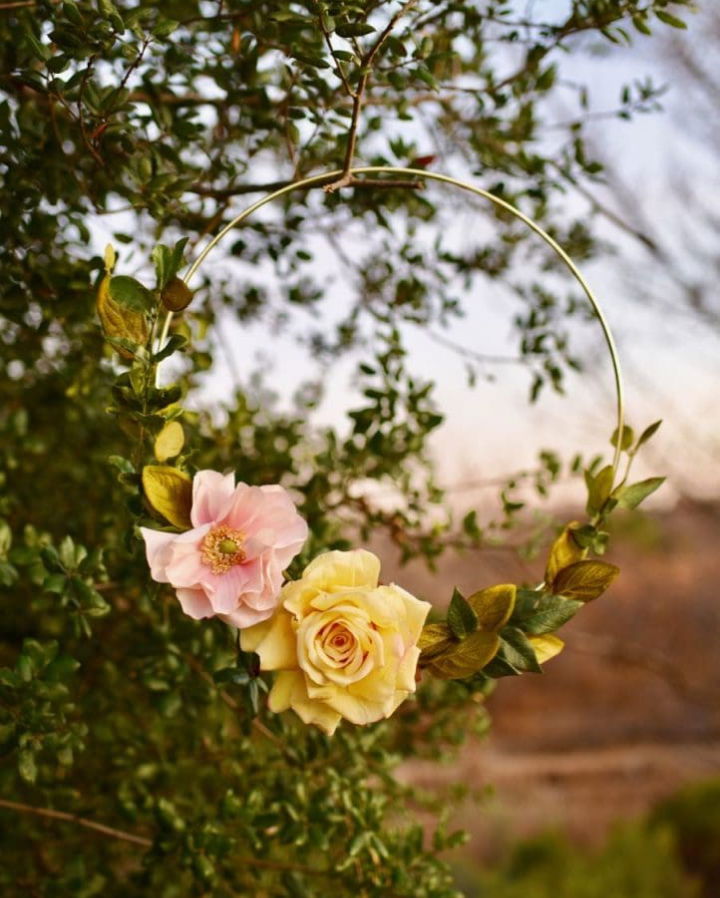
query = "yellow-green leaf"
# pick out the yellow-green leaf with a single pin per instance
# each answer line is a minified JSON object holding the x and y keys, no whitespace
{"x":169,"y":493}
{"x":434,"y":639}
{"x":599,"y":488}
{"x":109,"y":258}
{"x":465,"y":658}
{"x":563,"y":552}
{"x":118,"y":322}
{"x":585,"y":580}
{"x":170,"y":441}
{"x":493,"y":606}
{"x":546,"y":647}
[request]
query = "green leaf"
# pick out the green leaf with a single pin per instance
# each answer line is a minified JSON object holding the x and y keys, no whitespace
{"x":628,"y":438}
{"x":493,"y":605}
{"x":518,"y":650}
{"x":26,"y":765}
{"x":466,"y":657}
{"x":599,"y":488}
{"x":585,"y":580}
{"x":461,"y":618}
{"x":670,"y":19}
{"x":649,"y":432}
{"x":547,"y":614}
{"x":130,"y":294}
{"x":631,"y":496}
{"x":434,"y":640}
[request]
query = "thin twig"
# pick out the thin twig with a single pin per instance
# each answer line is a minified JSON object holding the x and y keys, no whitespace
{"x":145,"y":842}
{"x":346,"y":179}
{"x":81,"y":821}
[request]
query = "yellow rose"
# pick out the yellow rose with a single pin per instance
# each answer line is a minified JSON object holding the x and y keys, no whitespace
{"x":343,"y":646}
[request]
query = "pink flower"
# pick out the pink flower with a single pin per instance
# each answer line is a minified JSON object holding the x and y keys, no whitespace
{"x":231,"y":562}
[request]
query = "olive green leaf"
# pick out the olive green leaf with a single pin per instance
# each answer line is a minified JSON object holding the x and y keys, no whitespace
{"x":461,"y":618}
{"x":123,"y":326}
{"x":169,"y":493}
{"x":546,"y":647}
{"x":563,"y":552}
{"x":466,"y":657}
{"x":434,"y":640}
{"x":518,"y":651}
{"x":170,"y":441}
{"x":585,"y":580}
{"x":599,"y":487}
{"x":632,"y":495}
{"x":626,"y":440}
{"x":493,"y":606}
{"x":649,"y":432}
{"x":130,"y":293}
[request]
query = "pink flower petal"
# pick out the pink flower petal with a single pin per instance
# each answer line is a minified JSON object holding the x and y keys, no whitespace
{"x":184,"y":565}
{"x":245,"y":617}
{"x":195,"y":603}
{"x":158,"y":550}
{"x":213,"y":493}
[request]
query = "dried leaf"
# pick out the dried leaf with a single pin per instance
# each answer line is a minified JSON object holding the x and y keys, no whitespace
{"x":176,"y":295}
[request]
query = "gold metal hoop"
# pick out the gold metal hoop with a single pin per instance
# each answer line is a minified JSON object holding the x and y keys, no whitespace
{"x":329,"y":177}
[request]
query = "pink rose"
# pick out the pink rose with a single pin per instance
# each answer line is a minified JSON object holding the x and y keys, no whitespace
{"x":231,"y":562}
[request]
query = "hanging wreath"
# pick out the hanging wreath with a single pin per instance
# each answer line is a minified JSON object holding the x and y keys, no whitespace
{"x":341,"y":643}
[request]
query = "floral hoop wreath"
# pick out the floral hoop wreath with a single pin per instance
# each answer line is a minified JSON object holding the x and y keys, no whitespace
{"x":341,"y":644}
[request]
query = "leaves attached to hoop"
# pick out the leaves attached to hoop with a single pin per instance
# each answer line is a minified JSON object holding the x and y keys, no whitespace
{"x":585,"y":580}
{"x":564,"y":552}
{"x":124,"y":328}
{"x":169,"y":493}
{"x":467,"y":656}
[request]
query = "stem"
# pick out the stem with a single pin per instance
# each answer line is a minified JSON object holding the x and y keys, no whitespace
{"x":145,"y":842}
{"x":73,"y":818}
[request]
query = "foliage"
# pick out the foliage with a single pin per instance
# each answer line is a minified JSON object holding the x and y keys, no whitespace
{"x":634,"y":863}
{"x":134,"y":743}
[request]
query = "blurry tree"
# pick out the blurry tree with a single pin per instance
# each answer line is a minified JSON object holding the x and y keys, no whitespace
{"x":136,"y":755}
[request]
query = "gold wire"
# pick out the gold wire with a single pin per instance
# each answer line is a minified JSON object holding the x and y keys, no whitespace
{"x":329,"y":177}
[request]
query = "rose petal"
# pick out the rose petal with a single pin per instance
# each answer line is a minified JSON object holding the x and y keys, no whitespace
{"x":158,"y":547}
{"x":194,"y":603}
{"x":213,"y":493}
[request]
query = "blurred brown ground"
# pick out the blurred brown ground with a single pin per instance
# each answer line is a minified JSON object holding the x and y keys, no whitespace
{"x":629,"y":711}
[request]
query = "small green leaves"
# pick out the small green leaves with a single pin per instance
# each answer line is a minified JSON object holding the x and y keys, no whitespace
{"x":169,"y":442}
{"x":648,"y":433}
{"x":585,"y":580}
{"x":632,"y":495}
{"x":130,"y":294}
{"x":168,"y":262}
{"x":169,"y":493}
{"x":461,"y":618}
{"x":538,"y":613}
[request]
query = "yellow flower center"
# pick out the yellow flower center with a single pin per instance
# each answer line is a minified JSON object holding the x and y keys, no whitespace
{"x":222,"y":548}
